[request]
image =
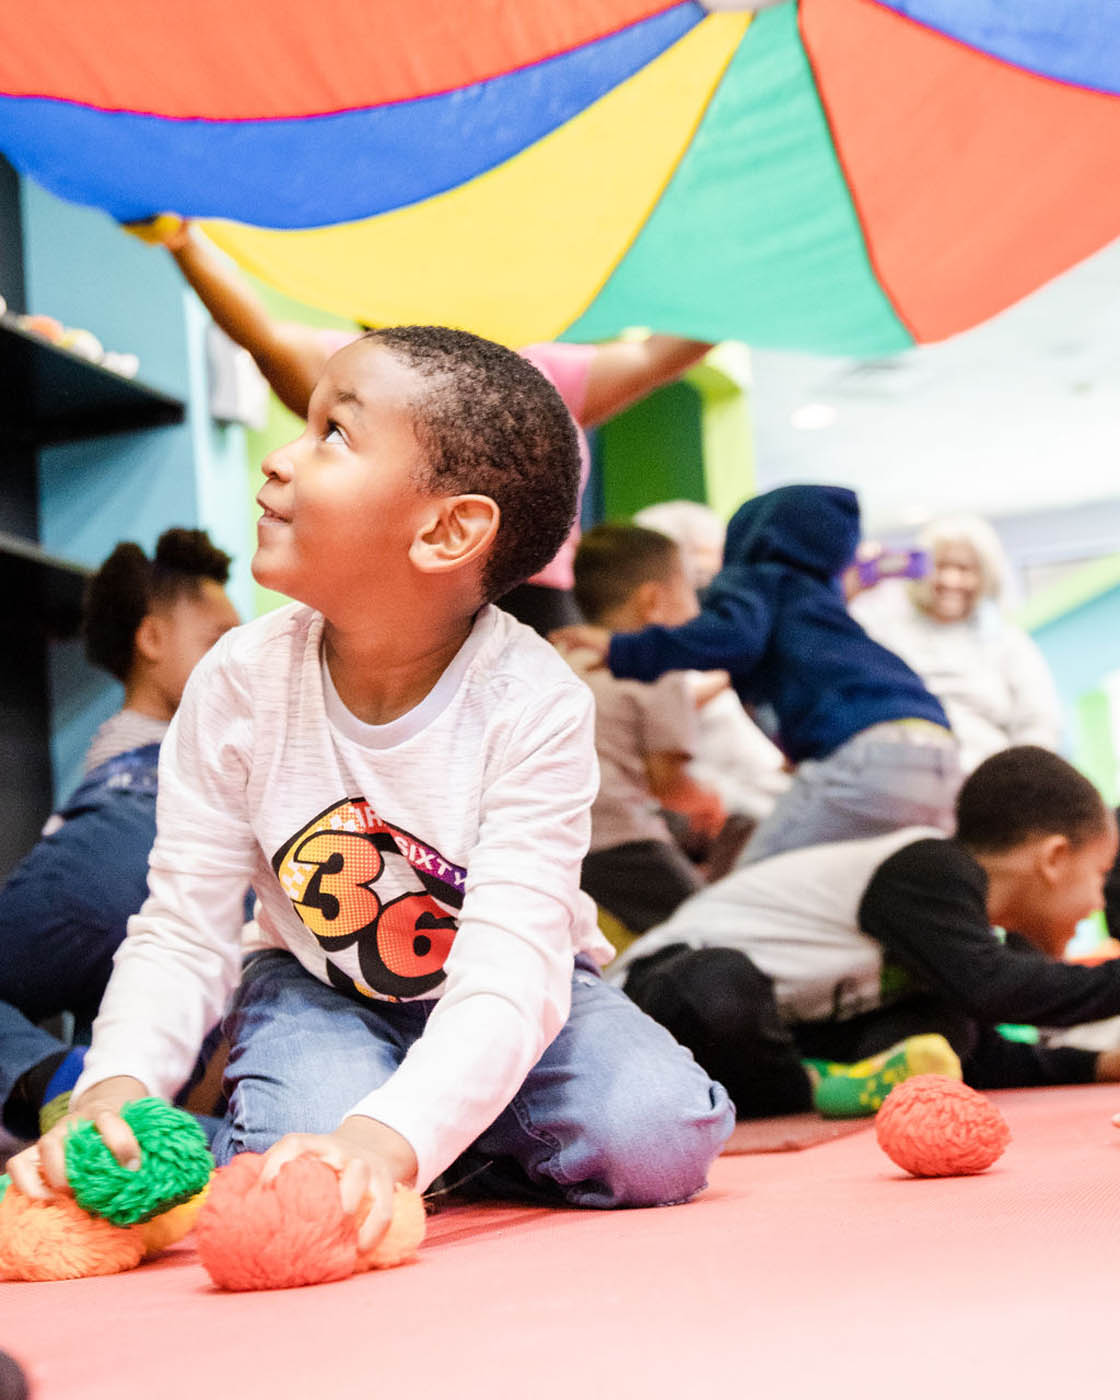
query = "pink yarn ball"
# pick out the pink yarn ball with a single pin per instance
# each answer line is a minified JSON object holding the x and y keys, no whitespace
{"x":284,"y":1235}
{"x":293,"y":1231}
{"x":934,"y":1126}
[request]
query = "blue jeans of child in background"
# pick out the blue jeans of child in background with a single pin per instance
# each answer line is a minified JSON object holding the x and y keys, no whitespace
{"x":883,"y":779}
{"x":615,"y":1112}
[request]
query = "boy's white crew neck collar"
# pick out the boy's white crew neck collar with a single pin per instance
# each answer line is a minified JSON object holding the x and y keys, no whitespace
{"x":387,"y":736}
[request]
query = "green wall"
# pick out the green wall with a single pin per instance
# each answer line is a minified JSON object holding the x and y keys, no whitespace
{"x":689,"y":441}
{"x":653,"y":452}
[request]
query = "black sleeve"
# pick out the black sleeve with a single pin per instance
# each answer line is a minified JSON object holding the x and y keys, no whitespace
{"x":926,"y":906}
{"x":1112,"y":897}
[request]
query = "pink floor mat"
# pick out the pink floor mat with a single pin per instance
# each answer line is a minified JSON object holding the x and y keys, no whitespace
{"x":826,"y":1275}
{"x":790,"y":1134}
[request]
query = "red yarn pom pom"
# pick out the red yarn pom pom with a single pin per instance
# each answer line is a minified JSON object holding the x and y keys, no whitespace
{"x":290,"y":1232}
{"x":933,"y":1126}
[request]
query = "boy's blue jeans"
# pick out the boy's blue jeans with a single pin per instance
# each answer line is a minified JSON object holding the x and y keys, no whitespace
{"x":867,"y":787}
{"x":615,"y":1112}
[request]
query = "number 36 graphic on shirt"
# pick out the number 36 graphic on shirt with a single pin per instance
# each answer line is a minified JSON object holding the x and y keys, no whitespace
{"x":355,"y":889}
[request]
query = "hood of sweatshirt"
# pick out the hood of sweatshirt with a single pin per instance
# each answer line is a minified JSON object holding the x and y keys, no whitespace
{"x":815,"y":528}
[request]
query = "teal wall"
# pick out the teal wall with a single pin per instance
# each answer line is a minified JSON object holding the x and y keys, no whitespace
{"x":1082,"y":648}
{"x":85,"y":271}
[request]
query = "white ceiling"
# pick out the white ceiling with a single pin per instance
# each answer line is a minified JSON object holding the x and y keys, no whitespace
{"x":1020,"y":415}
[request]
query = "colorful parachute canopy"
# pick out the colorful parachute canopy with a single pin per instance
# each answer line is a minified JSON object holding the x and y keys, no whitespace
{"x":845,"y":176}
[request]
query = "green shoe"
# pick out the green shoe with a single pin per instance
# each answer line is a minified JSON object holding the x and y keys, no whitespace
{"x":857,"y":1090}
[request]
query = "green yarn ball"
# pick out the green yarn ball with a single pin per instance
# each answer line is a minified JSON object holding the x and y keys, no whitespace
{"x":175,"y":1164}
{"x":5,"y":1182}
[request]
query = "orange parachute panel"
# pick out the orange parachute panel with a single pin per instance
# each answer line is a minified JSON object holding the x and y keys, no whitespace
{"x":275,"y":58}
{"x":975,"y":182}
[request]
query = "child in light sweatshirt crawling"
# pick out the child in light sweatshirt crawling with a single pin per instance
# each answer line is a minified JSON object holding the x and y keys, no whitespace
{"x":787,"y":973}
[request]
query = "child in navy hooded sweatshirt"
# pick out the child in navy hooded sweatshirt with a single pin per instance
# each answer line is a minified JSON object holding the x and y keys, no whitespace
{"x":872,"y":747}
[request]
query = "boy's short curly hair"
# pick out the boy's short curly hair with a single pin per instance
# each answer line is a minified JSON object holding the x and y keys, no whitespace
{"x":613,"y":561}
{"x":1025,"y":792}
{"x":128,"y":585}
{"x":491,"y":424}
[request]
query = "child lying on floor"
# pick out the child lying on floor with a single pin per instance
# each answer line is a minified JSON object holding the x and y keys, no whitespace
{"x":884,"y":950}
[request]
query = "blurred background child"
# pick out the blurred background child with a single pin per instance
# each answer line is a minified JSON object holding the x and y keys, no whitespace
{"x":64,"y":909}
{"x":732,"y":757}
{"x":626,"y":577}
{"x":873,"y":747}
{"x":824,"y":975}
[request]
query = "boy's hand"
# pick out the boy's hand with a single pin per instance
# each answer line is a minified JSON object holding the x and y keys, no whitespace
{"x":39,"y":1171}
{"x":708,"y":685}
{"x":582,"y":645}
{"x":370,"y":1159}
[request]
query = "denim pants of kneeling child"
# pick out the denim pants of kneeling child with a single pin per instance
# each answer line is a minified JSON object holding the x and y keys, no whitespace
{"x":615,"y":1112}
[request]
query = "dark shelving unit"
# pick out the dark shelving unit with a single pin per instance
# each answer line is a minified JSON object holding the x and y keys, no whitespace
{"x":42,"y":593}
{"x":50,"y":395}
{"x":47,"y":396}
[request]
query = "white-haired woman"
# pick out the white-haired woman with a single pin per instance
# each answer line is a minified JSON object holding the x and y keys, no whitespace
{"x":951,"y":627}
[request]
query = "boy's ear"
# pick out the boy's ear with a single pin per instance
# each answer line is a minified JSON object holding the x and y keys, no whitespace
{"x":646,"y":600}
{"x":1053,"y":856}
{"x":458,"y":531}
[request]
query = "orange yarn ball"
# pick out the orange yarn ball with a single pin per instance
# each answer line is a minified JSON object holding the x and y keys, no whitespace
{"x":404,"y":1236}
{"x":162,"y":1231}
{"x":47,"y":1240}
{"x":292,"y":1231}
{"x":934,"y":1126}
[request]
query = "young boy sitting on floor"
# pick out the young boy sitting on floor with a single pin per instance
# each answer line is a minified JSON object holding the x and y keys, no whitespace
{"x":872,"y":745}
{"x":787,"y":970}
{"x":627,"y":577}
{"x":404,"y":774}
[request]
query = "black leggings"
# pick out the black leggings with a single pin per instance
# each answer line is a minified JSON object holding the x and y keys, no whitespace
{"x":722,"y":1008}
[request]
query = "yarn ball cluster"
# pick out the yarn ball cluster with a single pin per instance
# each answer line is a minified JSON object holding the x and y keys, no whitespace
{"x":293,"y":1230}
{"x":934,"y":1126}
{"x":175,"y":1164}
{"x":116,"y":1217}
{"x":41,"y":1241}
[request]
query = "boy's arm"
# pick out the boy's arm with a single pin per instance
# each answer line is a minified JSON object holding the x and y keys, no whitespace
{"x":508,"y":988}
{"x":671,"y":785}
{"x":181,"y":956}
{"x":667,"y":729}
{"x":730,"y":634}
{"x":289,"y":355}
{"x":926,"y":906}
{"x":624,"y":371}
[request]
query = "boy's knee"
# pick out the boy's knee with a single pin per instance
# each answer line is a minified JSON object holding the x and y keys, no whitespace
{"x":658,"y":1153}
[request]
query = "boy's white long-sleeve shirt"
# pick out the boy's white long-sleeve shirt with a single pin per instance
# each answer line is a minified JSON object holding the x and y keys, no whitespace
{"x":434,"y":857}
